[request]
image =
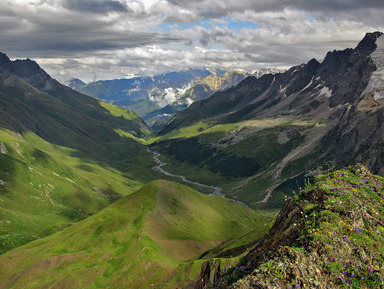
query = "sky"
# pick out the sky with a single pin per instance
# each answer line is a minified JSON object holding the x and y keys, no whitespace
{"x":108,"y":39}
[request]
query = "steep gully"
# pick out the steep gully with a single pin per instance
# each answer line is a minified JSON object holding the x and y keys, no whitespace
{"x":217,"y":191}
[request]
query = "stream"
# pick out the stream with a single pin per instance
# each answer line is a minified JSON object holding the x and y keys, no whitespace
{"x":217,"y":191}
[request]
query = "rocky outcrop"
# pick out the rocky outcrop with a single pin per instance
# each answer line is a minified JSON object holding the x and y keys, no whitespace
{"x":329,"y":236}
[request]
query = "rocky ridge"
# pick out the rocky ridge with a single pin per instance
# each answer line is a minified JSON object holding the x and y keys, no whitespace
{"x":29,"y":70}
{"x":307,"y":89}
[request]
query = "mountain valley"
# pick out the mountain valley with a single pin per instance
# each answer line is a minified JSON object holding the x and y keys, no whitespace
{"x":266,"y":135}
{"x":64,"y":156}
{"x":83,"y":206}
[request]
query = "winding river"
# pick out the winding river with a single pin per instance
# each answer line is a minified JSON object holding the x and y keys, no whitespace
{"x":216,"y":190}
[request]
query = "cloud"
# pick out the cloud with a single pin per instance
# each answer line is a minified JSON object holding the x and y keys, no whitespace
{"x":113,"y":38}
{"x":95,"y":6}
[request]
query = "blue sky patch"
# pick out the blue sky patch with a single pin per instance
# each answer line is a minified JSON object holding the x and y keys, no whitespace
{"x":230,"y":23}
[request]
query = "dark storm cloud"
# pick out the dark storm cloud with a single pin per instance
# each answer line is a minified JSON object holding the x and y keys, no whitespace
{"x":95,"y":6}
{"x":47,"y":45}
{"x":113,"y":38}
{"x":63,"y":33}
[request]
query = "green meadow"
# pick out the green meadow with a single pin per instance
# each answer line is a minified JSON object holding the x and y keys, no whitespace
{"x":149,"y":237}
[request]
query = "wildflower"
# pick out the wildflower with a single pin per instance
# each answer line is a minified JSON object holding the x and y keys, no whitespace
{"x":348,"y":281}
{"x":379,"y":244}
{"x":345,"y":237}
{"x":297,"y":286}
{"x":333,"y":260}
{"x":352,"y":275}
{"x":344,"y":272}
{"x":362,"y":278}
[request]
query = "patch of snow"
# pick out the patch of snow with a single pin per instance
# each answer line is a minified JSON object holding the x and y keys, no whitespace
{"x":326,"y":92}
{"x":296,"y":69}
{"x":308,"y":85}
{"x":129,"y":75}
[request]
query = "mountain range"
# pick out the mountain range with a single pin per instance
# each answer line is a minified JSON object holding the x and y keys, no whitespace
{"x":157,"y":98}
{"x":266,"y":134}
{"x":82,"y":207}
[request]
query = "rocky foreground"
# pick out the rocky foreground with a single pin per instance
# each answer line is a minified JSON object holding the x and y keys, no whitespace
{"x":328,"y":236}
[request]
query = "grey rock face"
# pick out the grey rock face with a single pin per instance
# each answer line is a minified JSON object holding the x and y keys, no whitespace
{"x":29,"y":70}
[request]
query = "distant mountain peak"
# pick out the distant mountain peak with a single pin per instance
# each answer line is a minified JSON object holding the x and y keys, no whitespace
{"x":76,"y":83}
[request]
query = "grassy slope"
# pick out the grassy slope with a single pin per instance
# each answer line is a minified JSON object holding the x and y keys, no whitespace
{"x":62,"y":159}
{"x":189,"y":151}
{"x":137,"y":241}
{"x":44,"y":188}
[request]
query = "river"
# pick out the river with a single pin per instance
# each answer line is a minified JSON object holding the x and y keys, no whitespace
{"x":217,"y":191}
